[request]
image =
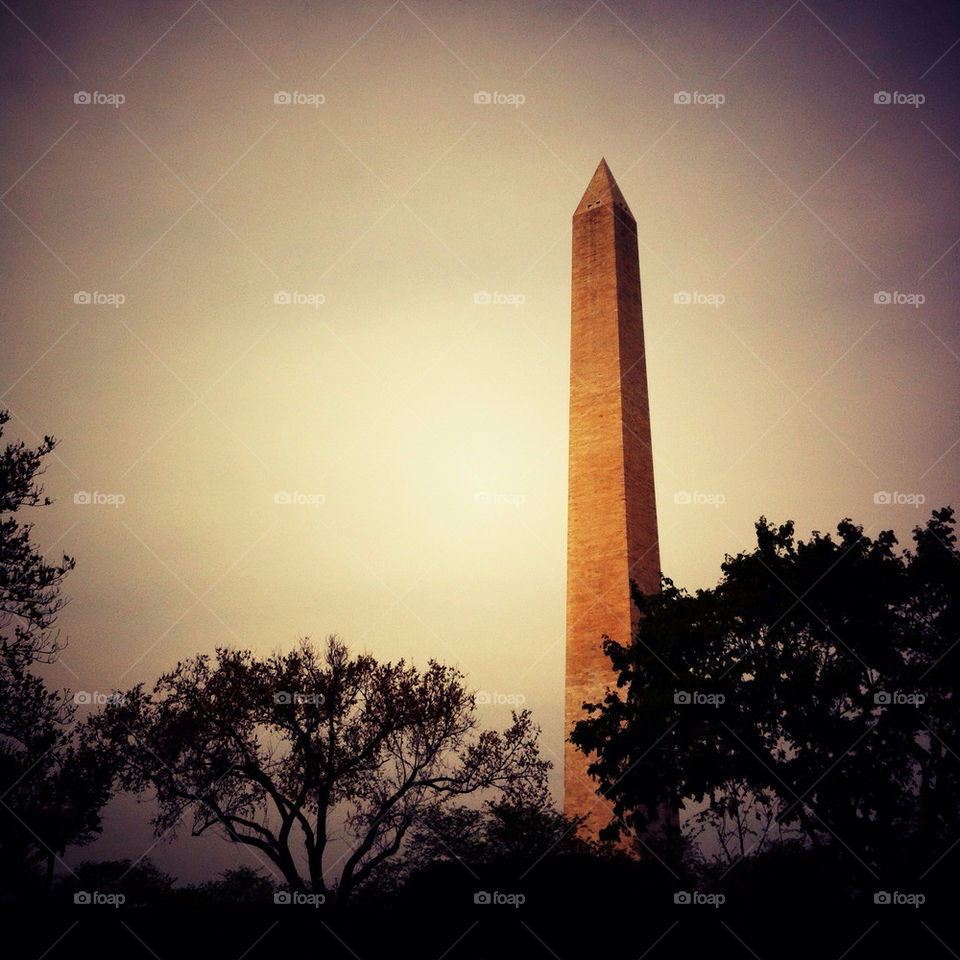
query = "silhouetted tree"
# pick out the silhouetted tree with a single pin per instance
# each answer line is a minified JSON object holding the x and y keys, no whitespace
{"x":811,"y":693}
{"x":238,"y":886}
{"x":140,"y":881}
{"x":51,"y":788}
{"x":497,"y":831}
{"x":54,"y":789}
{"x":29,"y":587}
{"x":272,"y":750}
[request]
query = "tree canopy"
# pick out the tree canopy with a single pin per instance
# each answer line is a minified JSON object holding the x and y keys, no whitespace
{"x":809,"y":695}
{"x":52,"y":789}
{"x":275,"y":751}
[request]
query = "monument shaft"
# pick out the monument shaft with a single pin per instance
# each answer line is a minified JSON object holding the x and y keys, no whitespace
{"x":612,"y":518}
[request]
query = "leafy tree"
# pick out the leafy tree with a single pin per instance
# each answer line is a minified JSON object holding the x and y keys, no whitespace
{"x":810,"y":694}
{"x":29,"y":586}
{"x":140,"y":881}
{"x":54,"y":789}
{"x":51,"y":788}
{"x":496,"y":831}
{"x":238,"y":886}
{"x":274,"y":751}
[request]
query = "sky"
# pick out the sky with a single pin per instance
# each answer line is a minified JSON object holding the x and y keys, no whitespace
{"x":290,"y":283}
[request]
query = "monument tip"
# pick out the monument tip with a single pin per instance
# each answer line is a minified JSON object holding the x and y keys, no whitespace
{"x":602,"y":189}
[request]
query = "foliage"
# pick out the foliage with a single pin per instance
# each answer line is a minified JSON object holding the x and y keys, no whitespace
{"x":273,"y":751}
{"x":52,"y":788}
{"x":810,"y":694}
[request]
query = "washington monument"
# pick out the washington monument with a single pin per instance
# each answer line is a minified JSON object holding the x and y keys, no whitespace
{"x":612,"y":512}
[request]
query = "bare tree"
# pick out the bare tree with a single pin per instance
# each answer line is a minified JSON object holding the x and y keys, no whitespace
{"x":274,"y":751}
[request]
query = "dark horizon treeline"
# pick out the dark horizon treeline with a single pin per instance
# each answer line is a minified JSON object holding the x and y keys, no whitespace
{"x":786,"y":902}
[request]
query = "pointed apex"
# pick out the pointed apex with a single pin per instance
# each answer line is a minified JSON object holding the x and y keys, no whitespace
{"x":602,"y":189}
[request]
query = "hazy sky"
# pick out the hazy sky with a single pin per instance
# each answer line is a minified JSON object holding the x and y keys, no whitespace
{"x":783,"y":201}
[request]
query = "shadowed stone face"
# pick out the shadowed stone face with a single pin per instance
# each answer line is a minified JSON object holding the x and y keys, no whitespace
{"x":612,"y":520}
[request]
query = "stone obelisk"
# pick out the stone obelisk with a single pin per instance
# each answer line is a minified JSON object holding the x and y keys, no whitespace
{"x":612,"y":514}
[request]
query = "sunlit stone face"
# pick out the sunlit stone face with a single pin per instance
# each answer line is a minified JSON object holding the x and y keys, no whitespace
{"x":612,"y":521}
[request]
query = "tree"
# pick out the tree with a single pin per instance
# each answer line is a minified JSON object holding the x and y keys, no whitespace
{"x":29,"y":586}
{"x":51,"y":788}
{"x":496,"y":831}
{"x":810,"y":693}
{"x":237,"y":886}
{"x":274,"y":751}
{"x":138,"y":882}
